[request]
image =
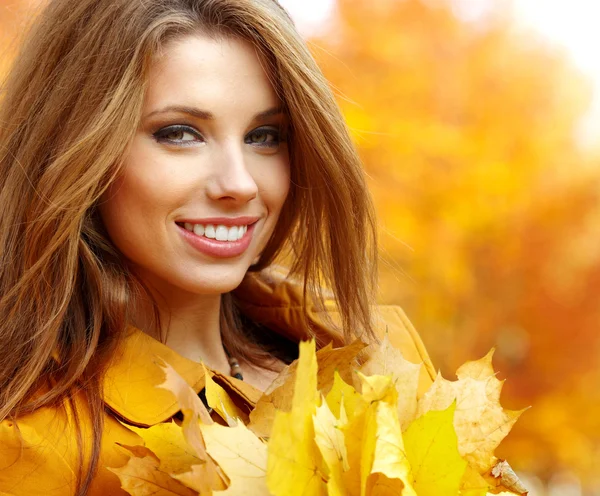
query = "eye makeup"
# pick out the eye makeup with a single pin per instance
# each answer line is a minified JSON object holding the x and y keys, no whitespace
{"x":265,"y":137}
{"x":168,"y":135}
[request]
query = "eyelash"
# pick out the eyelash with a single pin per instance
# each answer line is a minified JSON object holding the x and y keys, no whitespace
{"x":161,"y":136}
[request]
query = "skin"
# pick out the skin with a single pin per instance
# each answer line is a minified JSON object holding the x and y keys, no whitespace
{"x":229,"y":165}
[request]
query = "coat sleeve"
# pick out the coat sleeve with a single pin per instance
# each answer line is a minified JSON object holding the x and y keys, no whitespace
{"x":39,"y":454}
{"x":30,"y":464}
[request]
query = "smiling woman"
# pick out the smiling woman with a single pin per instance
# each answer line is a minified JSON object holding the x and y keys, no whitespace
{"x":203,"y":184}
{"x":159,"y":160}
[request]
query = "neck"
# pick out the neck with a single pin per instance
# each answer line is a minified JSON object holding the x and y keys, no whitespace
{"x":189,"y":325}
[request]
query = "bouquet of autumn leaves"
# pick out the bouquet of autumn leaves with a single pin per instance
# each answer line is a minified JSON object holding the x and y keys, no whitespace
{"x":325,"y":428}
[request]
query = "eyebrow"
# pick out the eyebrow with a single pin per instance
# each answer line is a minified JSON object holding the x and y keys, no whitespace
{"x":208,"y":116}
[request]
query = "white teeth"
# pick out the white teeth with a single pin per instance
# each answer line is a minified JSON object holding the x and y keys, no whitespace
{"x":220,"y":232}
{"x":209,"y":232}
{"x":232,"y":235}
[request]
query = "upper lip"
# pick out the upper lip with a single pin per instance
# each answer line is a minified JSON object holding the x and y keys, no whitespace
{"x":222,"y":221}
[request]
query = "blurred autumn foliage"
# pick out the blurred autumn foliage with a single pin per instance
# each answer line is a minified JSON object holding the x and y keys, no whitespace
{"x":489,"y":207}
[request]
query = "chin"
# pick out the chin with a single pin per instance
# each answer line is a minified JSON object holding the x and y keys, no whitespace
{"x":211,"y":280}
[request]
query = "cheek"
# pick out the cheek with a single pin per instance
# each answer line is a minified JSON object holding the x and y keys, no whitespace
{"x":145,"y":189}
{"x":118,"y":213}
{"x":275,"y":187}
{"x":132,"y":210}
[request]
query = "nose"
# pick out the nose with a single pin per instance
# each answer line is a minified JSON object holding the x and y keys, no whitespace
{"x":231,"y":179}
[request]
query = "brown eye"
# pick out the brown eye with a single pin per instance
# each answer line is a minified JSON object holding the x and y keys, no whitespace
{"x":175,"y":135}
{"x":267,"y":137}
{"x":178,"y":134}
{"x":259,"y":137}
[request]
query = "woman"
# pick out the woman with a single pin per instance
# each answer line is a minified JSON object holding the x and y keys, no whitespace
{"x":155,"y":156}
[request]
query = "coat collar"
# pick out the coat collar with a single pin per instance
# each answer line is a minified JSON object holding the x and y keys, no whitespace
{"x":131,"y":380}
{"x":134,"y":374}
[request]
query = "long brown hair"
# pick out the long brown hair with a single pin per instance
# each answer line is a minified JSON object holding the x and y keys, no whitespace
{"x":69,"y":109}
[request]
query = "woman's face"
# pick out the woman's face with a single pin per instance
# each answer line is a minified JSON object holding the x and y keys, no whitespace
{"x":207,"y":173}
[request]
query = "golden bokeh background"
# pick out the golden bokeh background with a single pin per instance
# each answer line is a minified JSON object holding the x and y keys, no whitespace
{"x":489,"y":206}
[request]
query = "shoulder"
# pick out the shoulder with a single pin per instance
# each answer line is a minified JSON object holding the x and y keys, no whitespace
{"x":35,"y":456}
{"x":39,"y":453}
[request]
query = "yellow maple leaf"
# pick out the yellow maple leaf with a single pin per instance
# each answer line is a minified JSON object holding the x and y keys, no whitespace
{"x":205,"y":475}
{"x":432,"y":450}
{"x":389,"y":456}
{"x":377,"y":388}
{"x":191,"y":406}
{"x":142,"y":476}
{"x":337,"y":360}
{"x":478,"y":369}
{"x":472,"y":483}
{"x":387,"y":360}
{"x":382,"y":446}
{"x":294,"y":464}
{"x":380,"y":485}
{"x":262,"y":417}
{"x":331,"y":444}
{"x":218,"y":399}
{"x":480,"y":421}
{"x":279,"y":395}
{"x":187,"y":398}
{"x":353,"y":431}
{"x":241,"y":455}
{"x":347,"y":443}
{"x":343,"y":395}
{"x":204,"y":478}
{"x":378,"y":464}
{"x":167,"y":442}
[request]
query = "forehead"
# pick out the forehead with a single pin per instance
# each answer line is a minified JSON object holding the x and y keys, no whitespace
{"x":209,"y":72}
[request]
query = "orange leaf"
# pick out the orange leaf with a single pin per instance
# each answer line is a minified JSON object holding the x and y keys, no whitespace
{"x":141,"y":475}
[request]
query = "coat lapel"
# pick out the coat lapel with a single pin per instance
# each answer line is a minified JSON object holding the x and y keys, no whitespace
{"x":132,"y":379}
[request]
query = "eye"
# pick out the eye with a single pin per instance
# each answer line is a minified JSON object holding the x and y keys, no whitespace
{"x":178,"y":134}
{"x":264,"y":137}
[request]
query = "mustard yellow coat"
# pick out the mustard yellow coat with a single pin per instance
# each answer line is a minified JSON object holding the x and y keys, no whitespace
{"x":38,"y":452}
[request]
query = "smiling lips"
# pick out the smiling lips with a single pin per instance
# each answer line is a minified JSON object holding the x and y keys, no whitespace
{"x":223,"y":238}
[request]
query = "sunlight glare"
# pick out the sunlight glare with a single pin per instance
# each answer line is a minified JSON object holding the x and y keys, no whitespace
{"x":309,"y":15}
{"x":572,"y":26}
